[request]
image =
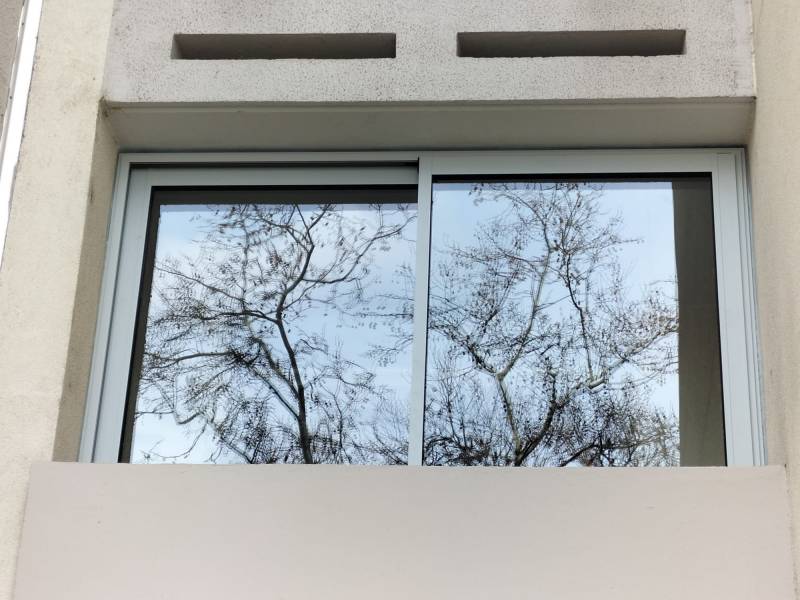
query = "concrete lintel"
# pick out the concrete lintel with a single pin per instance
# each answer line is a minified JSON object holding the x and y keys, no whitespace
{"x":715,"y":122}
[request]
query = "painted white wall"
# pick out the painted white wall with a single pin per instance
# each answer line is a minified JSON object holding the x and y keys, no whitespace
{"x":774,"y":152}
{"x":10,"y":11}
{"x":339,"y":532}
{"x":47,"y":293}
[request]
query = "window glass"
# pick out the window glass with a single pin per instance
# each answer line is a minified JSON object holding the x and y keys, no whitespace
{"x":573,"y":323}
{"x":272,"y":327}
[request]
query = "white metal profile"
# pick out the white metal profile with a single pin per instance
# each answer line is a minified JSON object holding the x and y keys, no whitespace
{"x":11,"y":139}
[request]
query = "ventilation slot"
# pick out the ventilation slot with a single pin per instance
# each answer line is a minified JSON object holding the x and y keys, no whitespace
{"x":270,"y":46}
{"x":540,"y":44}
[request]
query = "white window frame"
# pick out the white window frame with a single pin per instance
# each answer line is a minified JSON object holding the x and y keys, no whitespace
{"x":138,"y":173}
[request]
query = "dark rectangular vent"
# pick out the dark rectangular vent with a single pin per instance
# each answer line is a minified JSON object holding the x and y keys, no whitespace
{"x":270,"y":46}
{"x":540,"y":44}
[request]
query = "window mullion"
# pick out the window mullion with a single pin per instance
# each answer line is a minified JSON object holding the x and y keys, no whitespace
{"x":416,"y":408}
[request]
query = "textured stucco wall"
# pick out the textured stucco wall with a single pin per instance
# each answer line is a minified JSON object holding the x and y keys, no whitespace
{"x":10,"y":11}
{"x":130,"y":532}
{"x":49,"y":279}
{"x":46,"y":292}
{"x":428,"y":97}
{"x":427,"y":69}
{"x":774,"y":153}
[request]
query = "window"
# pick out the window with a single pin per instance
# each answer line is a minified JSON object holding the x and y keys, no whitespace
{"x":268,"y":327}
{"x":573,"y":322}
{"x":514,"y":309}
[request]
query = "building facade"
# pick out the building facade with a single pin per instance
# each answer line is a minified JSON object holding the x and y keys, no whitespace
{"x":555,"y":234}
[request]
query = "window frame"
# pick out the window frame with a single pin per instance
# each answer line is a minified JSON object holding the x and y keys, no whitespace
{"x":139,"y":173}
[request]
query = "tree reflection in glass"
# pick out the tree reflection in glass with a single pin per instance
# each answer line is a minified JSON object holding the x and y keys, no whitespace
{"x":553,"y":322}
{"x":264,"y":340}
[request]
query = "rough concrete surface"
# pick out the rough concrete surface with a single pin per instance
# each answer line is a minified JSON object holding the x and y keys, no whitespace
{"x":716,"y":63}
{"x":351,"y":127}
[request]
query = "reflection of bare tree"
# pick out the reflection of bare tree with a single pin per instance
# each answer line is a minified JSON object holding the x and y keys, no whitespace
{"x":538,"y":352}
{"x":537,"y":355}
{"x":231,"y":350}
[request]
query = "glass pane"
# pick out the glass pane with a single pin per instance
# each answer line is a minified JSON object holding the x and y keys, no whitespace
{"x":573,"y":323}
{"x":274,"y":328}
